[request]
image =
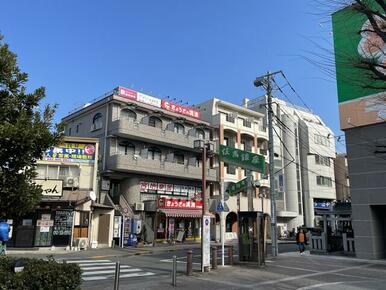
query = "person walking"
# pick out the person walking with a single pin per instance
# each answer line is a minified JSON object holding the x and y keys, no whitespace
{"x":301,"y":241}
{"x":4,"y":235}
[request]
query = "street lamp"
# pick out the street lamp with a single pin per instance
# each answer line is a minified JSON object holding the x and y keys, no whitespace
{"x":207,"y":149}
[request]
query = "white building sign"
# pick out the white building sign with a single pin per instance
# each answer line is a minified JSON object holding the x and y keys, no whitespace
{"x":206,"y":241}
{"x":51,"y":187}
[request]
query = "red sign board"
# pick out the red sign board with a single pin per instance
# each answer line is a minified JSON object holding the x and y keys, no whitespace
{"x":179,"y":203}
{"x":127,"y":93}
{"x":180,"y":109}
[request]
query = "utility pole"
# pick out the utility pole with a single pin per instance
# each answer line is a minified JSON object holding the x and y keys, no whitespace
{"x":266,"y":82}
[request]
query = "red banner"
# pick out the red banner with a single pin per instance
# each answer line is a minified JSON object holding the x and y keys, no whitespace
{"x":126,"y":93}
{"x":180,"y":109}
{"x":179,"y":203}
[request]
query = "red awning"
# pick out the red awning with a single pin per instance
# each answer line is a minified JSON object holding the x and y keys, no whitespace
{"x":171,"y":212}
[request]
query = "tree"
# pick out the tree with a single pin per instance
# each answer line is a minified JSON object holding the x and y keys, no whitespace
{"x":26,"y":131}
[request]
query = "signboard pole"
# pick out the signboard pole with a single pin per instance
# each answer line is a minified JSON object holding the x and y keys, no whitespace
{"x":222,"y":223}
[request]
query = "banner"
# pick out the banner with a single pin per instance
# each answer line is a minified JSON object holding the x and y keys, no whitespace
{"x":361,"y":101}
{"x":71,"y":152}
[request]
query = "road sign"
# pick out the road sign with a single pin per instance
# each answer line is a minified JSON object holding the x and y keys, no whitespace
{"x":235,"y":188}
{"x":206,"y":241}
{"x":245,"y":159}
{"x":220,"y":207}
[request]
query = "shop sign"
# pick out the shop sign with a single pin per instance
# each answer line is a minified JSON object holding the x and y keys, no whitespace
{"x":322,"y":205}
{"x":44,"y":223}
{"x":63,"y":223}
{"x":180,"y":109}
{"x":53,"y":188}
{"x":164,"y":202}
{"x":71,"y":152}
{"x":169,"y":189}
{"x":127,"y":93}
{"x":149,"y":100}
{"x":153,"y":186}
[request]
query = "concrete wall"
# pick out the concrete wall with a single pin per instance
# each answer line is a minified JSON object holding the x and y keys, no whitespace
{"x":367,"y":172}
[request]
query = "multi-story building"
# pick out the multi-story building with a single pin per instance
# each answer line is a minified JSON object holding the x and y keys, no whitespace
{"x":68,"y":211}
{"x":341,"y":177}
{"x":304,"y":150}
{"x":362,"y":110}
{"x":149,"y":165}
{"x":241,"y":128}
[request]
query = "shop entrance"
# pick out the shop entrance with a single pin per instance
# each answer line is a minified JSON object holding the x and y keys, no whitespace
{"x":103,"y":229}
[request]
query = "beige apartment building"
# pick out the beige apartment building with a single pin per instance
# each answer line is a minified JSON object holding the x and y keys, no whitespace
{"x":241,"y":128}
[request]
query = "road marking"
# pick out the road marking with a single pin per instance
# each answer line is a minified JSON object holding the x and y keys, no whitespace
{"x":103,"y":267}
{"x":86,"y":261}
{"x":111,"y":271}
{"x":91,"y":264}
{"x":136,"y":275}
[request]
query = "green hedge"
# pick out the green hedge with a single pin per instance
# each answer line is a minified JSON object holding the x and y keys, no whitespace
{"x":39,"y":275}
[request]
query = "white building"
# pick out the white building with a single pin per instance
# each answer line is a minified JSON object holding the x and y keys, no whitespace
{"x":304,"y":153}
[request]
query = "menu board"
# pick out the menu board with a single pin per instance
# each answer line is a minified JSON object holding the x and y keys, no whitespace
{"x":63,"y":223}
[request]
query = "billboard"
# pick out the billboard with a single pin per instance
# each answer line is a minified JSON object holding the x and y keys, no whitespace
{"x":71,"y":152}
{"x":362,"y":99}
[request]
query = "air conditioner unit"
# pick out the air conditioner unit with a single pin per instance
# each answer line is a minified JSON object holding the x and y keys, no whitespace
{"x":72,"y":182}
{"x":140,"y":206}
{"x":82,"y":243}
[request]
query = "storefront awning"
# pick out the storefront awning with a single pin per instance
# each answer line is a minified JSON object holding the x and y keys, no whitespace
{"x":171,"y":212}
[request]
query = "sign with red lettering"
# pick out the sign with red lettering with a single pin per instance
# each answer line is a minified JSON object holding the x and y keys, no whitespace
{"x":179,"y":203}
{"x":180,"y":109}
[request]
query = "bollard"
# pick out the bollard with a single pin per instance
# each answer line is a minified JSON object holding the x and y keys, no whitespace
{"x":116,"y":278}
{"x":214,"y":258}
{"x":174,"y":271}
{"x":189,"y":263}
{"x":230,"y":255}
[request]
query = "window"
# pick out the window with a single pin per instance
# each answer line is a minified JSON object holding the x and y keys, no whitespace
{"x":179,"y":158}
{"x":324,"y":181}
{"x":97,"y":121}
{"x":69,"y":131}
{"x":200,"y":134}
{"x":247,"y":123}
{"x":179,"y":128}
{"x":322,"y":160}
{"x":57,"y":171}
{"x":154,"y":153}
{"x":229,"y":118}
{"x":155,"y":122}
{"x":321,"y":140}
{"x":77,"y":128}
{"x":126,"y":148}
{"x":230,"y":169}
{"x":128,"y":114}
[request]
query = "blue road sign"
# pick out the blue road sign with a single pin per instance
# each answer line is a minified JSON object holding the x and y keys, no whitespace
{"x":220,"y":207}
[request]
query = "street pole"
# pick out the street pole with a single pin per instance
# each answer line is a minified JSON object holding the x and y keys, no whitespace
{"x":271,"y":168}
{"x":222,"y":222}
{"x":250,"y":209}
{"x":203,"y":198}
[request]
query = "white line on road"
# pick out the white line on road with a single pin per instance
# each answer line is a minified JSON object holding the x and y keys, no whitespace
{"x":136,"y":275}
{"x":99,"y":264}
{"x":103,"y":267}
{"x":86,"y":261}
{"x":111,"y":272}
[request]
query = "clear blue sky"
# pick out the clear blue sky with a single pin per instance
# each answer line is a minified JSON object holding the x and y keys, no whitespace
{"x":191,"y":50}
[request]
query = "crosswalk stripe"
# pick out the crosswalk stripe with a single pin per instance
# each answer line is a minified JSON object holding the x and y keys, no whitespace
{"x":111,"y":271}
{"x":136,"y":275}
{"x":86,"y":261}
{"x":103,"y":267}
{"x":104,"y":264}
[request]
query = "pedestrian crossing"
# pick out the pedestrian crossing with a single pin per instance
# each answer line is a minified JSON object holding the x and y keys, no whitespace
{"x":94,"y":270}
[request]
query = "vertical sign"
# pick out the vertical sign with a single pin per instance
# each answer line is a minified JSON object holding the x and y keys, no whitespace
{"x":206,"y":241}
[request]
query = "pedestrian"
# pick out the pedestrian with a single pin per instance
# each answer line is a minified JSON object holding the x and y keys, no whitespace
{"x":301,"y":241}
{"x":4,"y":235}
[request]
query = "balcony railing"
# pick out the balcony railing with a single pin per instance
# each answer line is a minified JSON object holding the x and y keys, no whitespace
{"x":129,"y":129}
{"x":131,"y":163}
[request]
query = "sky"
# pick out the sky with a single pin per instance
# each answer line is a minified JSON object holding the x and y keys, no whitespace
{"x":188,"y":50}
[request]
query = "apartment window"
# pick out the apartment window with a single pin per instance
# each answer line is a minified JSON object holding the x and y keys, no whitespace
{"x":229,"y":168}
{"x":179,"y":158}
{"x":247,"y":123}
{"x":179,"y":128}
{"x":155,"y":122}
{"x":97,"y":121}
{"x":77,"y":128}
{"x":126,"y":148}
{"x":321,"y":140}
{"x":57,"y":171}
{"x":324,"y":181}
{"x":200,"y":134}
{"x":322,"y":160}
{"x":128,"y":114}
{"x":229,"y":118}
{"x":69,"y":131}
{"x":154,"y":153}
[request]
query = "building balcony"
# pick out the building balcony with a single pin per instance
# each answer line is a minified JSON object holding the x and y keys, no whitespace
{"x":127,"y":128}
{"x":133,"y":164}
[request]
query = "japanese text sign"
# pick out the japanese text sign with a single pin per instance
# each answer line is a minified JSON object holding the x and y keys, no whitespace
{"x":237,"y":187}
{"x":245,"y":159}
{"x":180,"y":109}
{"x":71,"y":152}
